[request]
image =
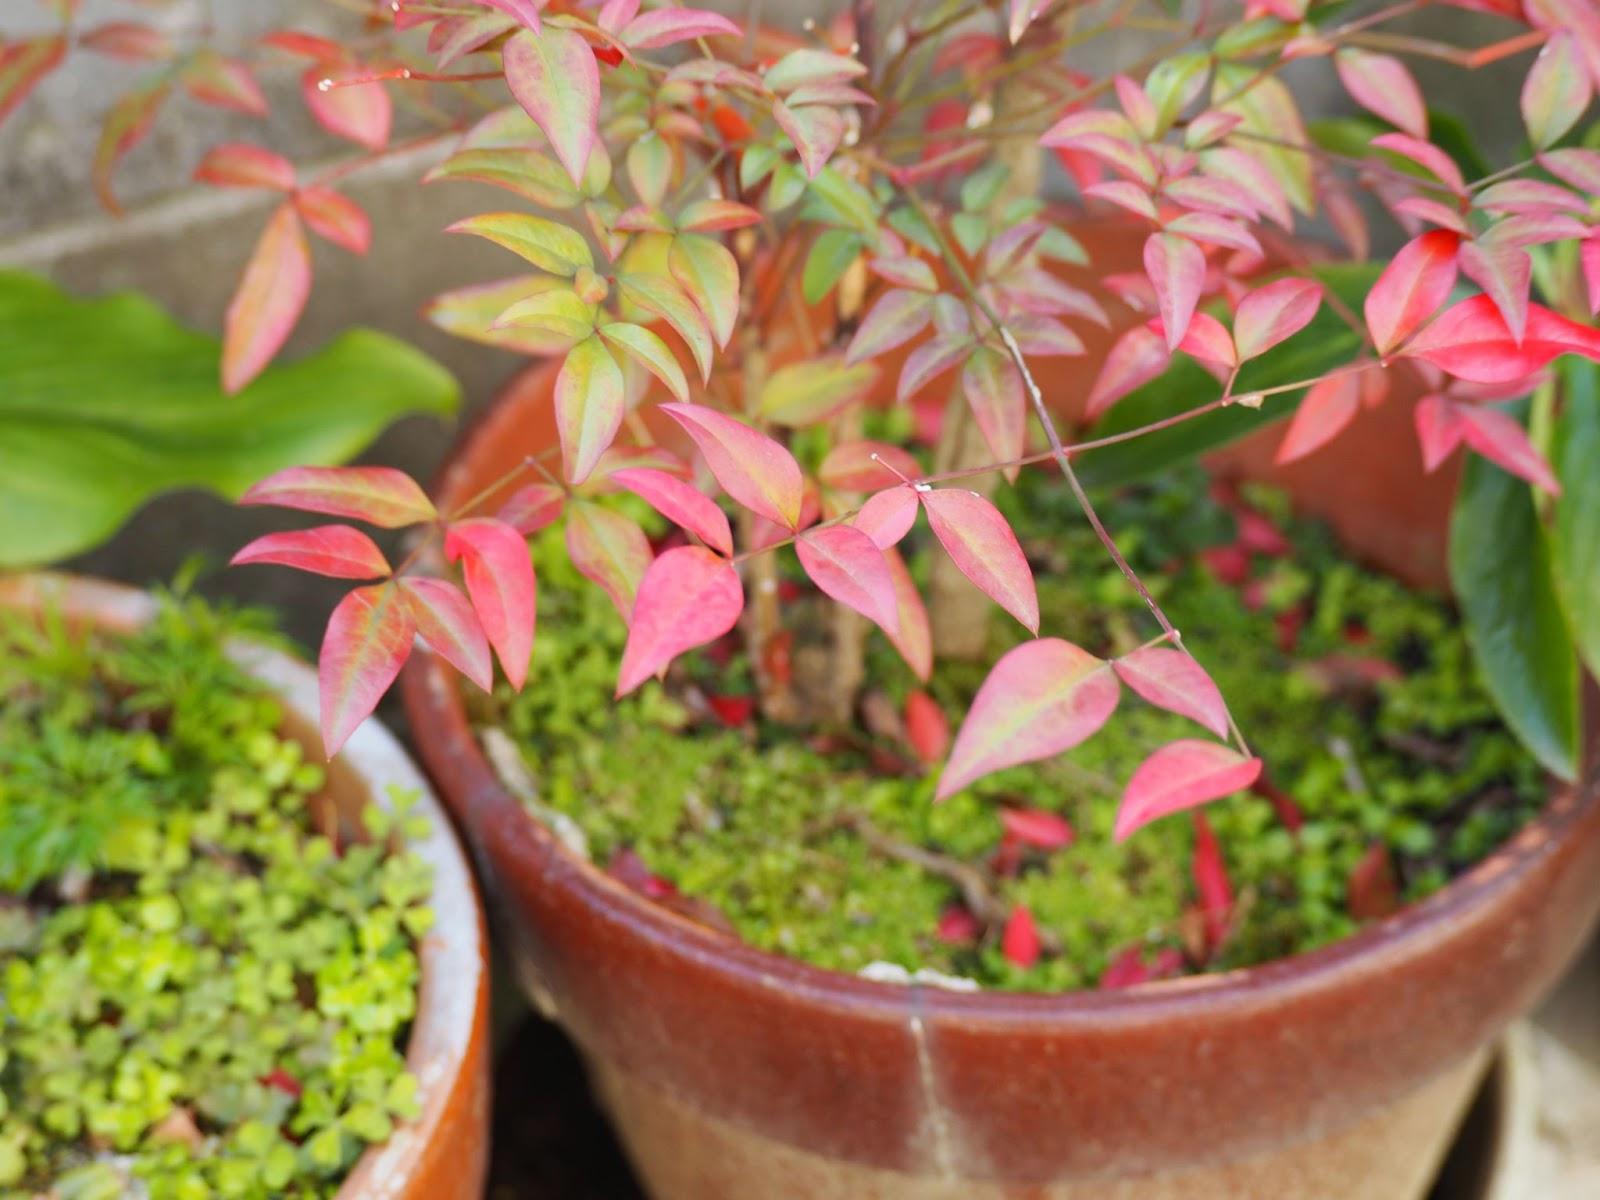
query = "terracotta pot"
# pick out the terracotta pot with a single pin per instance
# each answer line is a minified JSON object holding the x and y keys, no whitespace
{"x":735,"y":1074}
{"x":442,"y":1155}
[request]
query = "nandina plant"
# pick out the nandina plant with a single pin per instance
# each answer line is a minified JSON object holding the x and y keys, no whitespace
{"x":750,"y":240}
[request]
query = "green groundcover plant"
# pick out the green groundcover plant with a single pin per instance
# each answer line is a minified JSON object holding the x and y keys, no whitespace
{"x":742,"y":244}
{"x":204,"y":989}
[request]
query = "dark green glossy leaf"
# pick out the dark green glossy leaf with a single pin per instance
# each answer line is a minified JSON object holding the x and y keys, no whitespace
{"x":1575,"y":535}
{"x":1326,"y":343}
{"x":105,"y":403}
{"x":1500,"y":568}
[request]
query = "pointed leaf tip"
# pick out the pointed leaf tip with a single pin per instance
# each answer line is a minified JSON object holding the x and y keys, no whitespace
{"x":688,"y":597}
{"x":1180,"y":775}
{"x":367,"y":642}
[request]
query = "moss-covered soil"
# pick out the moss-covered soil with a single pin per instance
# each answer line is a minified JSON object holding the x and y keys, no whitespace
{"x":200,"y":995}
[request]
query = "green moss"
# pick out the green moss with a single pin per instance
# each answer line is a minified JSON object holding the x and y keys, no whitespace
{"x":764,"y":828}
{"x":197,"y":991}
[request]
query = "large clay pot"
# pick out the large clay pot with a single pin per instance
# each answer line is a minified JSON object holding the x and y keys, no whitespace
{"x":734,"y":1074}
{"x":443,"y":1154}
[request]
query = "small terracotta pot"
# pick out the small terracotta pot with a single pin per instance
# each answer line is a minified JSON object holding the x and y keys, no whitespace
{"x":443,"y":1154}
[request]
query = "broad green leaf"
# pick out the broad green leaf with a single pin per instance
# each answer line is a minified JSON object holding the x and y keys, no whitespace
{"x":651,"y":353}
{"x":1575,"y":535}
{"x":108,"y":402}
{"x":557,"y":312}
{"x":1326,"y":343}
{"x":548,"y":245}
{"x":1501,"y":570}
{"x":472,"y":312}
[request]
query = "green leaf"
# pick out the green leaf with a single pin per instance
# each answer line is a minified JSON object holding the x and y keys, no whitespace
{"x":830,"y":257}
{"x":1575,"y":535}
{"x":808,"y":392}
{"x":546,"y":244}
{"x":106,"y":403}
{"x":531,"y":175}
{"x":1326,"y":343}
{"x":1500,"y":568}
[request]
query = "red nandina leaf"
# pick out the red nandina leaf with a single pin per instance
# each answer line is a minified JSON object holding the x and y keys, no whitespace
{"x":1137,"y":357}
{"x":1216,"y":231}
{"x":282,"y":1081}
{"x":126,"y":125}
{"x":1412,"y":287}
{"x":1177,"y":270}
{"x":866,"y":467}
{"x":1259,"y":535}
{"x":368,"y":641}
{"x":1180,"y":775}
{"x":1037,"y":827}
{"x":688,"y":597}
{"x":847,"y":565}
{"x":23,"y":64}
{"x":1128,"y":968}
{"x":239,"y":165}
{"x":1274,"y":313}
{"x":271,"y":294}
{"x":1041,"y":698}
{"x":958,"y":927}
{"x":732,"y":711}
{"x":609,"y":549}
{"x":1471,"y":341}
{"x":1372,"y":892}
{"x":1173,"y":680}
{"x":982,"y":546}
{"x":1497,"y":436}
{"x":336,"y":217}
{"x":752,"y":468}
{"x":930,"y":360}
{"x":1383,"y":85}
{"x":914,"y":637}
{"x":816,"y":131}
{"x":223,"y":83}
{"x":1557,"y":90}
{"x":335,"y":550}
{"x":667,"y":26}
{"x":1020,"y":941}
{"x":927,"y":728}
{"x":1211,"y":881}
{"x":681,"y":504}
{"x":127,"y":40}
{"x":1505,"y":273}
{"x":553,"y":75}
{"x":382,"y":496}
{"x":446,"y":623}
{"x":707,"y":271}
{"x":897,"y":317}
{"x":1329,"y":405}
{"x":1426,"y":155}
{"x":888,"y":516}
{"x":500,"y":582}
{"x":993,"y":388}
{"x":716,"y":216}
{"x":524,"y":12}
{"x":590,"y":401}
{"x":358,"y":112}
{"x":1439,"y":429}
{"x":1209,"y":340}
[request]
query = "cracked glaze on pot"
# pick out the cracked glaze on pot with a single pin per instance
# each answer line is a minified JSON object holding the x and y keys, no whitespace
{"x":740,"y":1075}
{"x":442,"y":1155}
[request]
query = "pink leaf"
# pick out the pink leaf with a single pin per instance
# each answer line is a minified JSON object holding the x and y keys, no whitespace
{"x":530,"y":509}
{"x":1211,"y":881}
{"x":23,"y":64}
{"x":1209,"y":341}
{"x":1177,"y":270}
{"x":609,"y":549}
{"x":127,"y":124}
{"x":958,"y":927}
{"x":1180,"y":775}
{"x":982,"y":546}
{"x":271,"y":295}
{"x":335,"y":217}
{"x":1440,"y":429}
{"x":1426,"y":155}
{"x":667,"y":26}
{"x":1329,"y":405}
{"x":688,"y":597}
{"x":127,"y":40}
{"x":1274,"y":313}
{"x":706,"y":269}
{"x":1505,"y":273}
{"x":590,"y":400}
{"x":866,"y":467}
{"x":1471,"y":341}
{"x":357,"y":112}
{"x":382,"y":496}
{"x":1020,"y":940}
{"x":1412,"y":287}
{"x":1173,"y":680}
{"x":927,"y":728}
{"x":238,"y":165}
{"x":887,"y":516}
{"x":1383,"y":85}
{"x":752,"y":468}
{"x":1040,"y":699}
{"x":1137,"y":357}
{"x":367,"y":642}
{"x":896,"y":318}
{"x":446,"y":623}
{"x":847,"y":565}
{"x":1557,"y":90}
{"x":1037,"y":827}
{"x":335,"y":550}
{"x":553,"y":75}
{"x":994,"y":391}
{"x":816,"y":131}
{"x":717,"y":216}
{"x":1216,"y":231}
{"x":681,"y":504}
{"x":223,"y":83}
{"x":930,"y":360}
{"x":524,"y":12}
{"x":500,"y":582}
{"x":913,"y":637}
{"x":1497,"y":436}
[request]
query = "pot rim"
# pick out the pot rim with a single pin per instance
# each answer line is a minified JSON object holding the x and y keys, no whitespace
{"x":452,"y":992}
{"x":1374,"y":950}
